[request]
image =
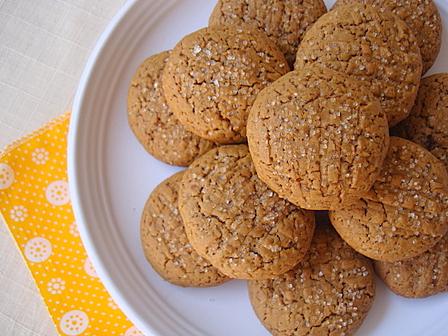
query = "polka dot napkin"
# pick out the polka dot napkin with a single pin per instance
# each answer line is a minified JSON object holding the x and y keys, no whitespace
{"x":35,"y":204}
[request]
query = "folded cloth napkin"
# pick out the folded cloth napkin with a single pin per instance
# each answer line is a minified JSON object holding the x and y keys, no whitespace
{"x":35,"y":204}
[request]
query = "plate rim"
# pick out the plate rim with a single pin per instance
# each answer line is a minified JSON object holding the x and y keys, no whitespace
{"x":73,"y":149}
{"x":75,"y":178}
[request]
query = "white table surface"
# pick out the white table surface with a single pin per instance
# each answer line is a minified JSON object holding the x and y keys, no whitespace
{"x":43,"y":47}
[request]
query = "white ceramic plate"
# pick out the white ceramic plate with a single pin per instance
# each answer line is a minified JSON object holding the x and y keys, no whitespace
{"x":111,"y":177}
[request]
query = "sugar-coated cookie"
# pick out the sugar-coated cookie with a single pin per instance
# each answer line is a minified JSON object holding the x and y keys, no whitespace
{"x":214,"y":75}
{"x":421,"y":276}
{"x":318,"y":137}
{"x":328,"y":293}
{"x":152,"y":121}
{"x":422,"y":17}
{"x":406,"y":211}
{"x":369,"y":45}
{"x":165,"y":243}
{"x":236,"y":222}
{"x":284,"y":21}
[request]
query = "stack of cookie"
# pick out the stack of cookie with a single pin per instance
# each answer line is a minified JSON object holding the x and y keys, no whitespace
{"x":317,"y":139}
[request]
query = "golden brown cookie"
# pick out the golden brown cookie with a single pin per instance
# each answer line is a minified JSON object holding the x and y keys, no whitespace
{"x":369,"y":45}
{"x":421,"y":276}
{"x":317,"y":137}
{"x":213,"y":76}
{"x":427,"y":124}
{"x":236,"y":222}
{"x":422,"y":17}
{"x":152,"y":121}
{"x":284,"y":21}
{"x":405,"y":212}
{"x":328,"y":293}
{"x":165,"y":243}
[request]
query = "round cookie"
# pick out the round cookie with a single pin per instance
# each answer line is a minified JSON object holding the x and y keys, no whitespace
{"x":284,"y":21}
{"x":427,"y":124}
{"x":165,"y":243}
{"x":422,"y":17}
{"x":236,"y":222}
{"x":369,"y":45}
{"x":152,"y":121}
{"x":329,"y":293}
{"x":213,"y":76}
{"x":405,"y":212}
{"x":422,"y":276}
{"x":318,"y":138}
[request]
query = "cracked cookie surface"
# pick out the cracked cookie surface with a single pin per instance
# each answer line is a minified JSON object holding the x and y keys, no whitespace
{"x":427,"y":124}
{"x":165,"y":243}
{"x":317,"y":138}
{"x":422,"y":17}
{"x":421,"y":276}
{"x":213,"y":77}
{"x":284,"y":21}
{"x":369,"y":45}
{"x":236,"y":222}
{"x":329,"y":293}
{"x":405,"y":212}
{"x":152,"y":121}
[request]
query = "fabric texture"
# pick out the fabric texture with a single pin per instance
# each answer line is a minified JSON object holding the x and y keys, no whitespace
{"x":44,"y":45}
{"x":35,"y":204}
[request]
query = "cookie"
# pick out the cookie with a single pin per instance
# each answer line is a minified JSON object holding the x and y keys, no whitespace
{"x":405,"y":212}
{"x":152,"y":121}
{"x":328,"y":293}
{"x":317,"y":138}
{"x":212,"y":78}
{"x":165,"y":243}
{"x":427,"y":124}
{"x":236,"y":222}
{"x":284,"y":21}
{"x":422,"y":17}
{"x":422,"y":276}
{"x":375,"y":47}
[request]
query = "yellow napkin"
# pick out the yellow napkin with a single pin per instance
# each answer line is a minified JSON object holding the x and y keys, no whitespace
{"x":35,"y":204}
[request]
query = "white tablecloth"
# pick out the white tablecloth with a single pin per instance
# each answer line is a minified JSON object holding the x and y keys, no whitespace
{"x":43,"y":47}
